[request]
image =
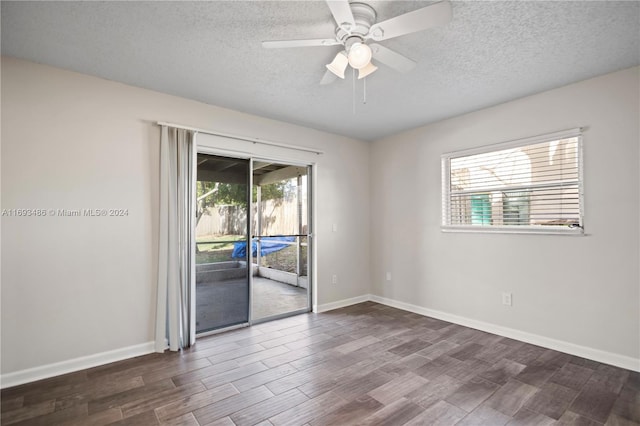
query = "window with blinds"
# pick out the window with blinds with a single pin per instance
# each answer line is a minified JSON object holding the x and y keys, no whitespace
{"x":530,"y":185}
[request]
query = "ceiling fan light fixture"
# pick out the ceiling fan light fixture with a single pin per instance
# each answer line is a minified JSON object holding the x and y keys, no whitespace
{"x":366,"y":70}
{"x":359,"y":55}
{"x":339,"y":64}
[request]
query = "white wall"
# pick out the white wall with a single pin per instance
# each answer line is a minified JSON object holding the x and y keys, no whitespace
{"x":579,"y":290}
{"x":78,"y":286}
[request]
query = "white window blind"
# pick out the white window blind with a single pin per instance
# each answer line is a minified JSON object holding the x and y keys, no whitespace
{"x":530,"y":185}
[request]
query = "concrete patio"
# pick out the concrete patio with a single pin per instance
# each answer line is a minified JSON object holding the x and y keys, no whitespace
{"x":224,"y":303}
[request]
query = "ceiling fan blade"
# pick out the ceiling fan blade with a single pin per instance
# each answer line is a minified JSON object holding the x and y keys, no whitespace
{"x":328,"y":78}
{"x":341,"y":11}
{"x":299,"y":43}
{"x":418,"y":20}
{"x":391,"y":59}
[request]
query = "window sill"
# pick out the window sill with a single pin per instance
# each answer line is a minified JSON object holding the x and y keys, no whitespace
{"x":541,"y":230}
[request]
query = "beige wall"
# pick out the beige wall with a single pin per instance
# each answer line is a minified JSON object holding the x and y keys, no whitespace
{"x":74,"y":141}
{"x":580,"y":290}
{"x":79,"y":286}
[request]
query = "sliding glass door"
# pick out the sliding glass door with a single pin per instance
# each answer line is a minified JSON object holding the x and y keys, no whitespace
{"x":280,"y":284}
{"x":222,"y":258}
{"x":252,"y":241}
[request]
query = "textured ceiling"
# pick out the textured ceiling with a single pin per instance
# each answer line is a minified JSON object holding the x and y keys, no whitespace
{"x":491,"y":52}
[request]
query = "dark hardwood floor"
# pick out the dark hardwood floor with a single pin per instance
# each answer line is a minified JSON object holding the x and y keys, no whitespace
{"x":366,"y":364}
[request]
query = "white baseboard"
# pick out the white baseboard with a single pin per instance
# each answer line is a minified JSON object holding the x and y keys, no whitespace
{"x":605,"y":357}
{"x":50,"y":370}
{"x":76,"y":364}
{"x":341,"y":303}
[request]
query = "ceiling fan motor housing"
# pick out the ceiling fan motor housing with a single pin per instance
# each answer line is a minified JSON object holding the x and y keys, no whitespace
{"x":364,"y":17}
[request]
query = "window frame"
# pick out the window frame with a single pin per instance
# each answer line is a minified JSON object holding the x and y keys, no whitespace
{"x":445,"y":161}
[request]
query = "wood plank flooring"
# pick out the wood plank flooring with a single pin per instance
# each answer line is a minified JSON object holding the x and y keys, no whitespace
{"x":367,"y":364}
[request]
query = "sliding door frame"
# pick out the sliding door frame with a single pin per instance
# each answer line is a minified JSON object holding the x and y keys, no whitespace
{"x":311,"y":250}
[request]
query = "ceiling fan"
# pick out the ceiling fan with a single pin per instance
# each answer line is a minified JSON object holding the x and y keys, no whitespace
{"x":356,"y":30}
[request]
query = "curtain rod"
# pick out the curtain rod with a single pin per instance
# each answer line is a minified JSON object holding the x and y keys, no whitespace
{"x":242,"y":138}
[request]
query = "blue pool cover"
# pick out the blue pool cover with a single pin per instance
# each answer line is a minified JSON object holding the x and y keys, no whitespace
{"x":267,"y":245}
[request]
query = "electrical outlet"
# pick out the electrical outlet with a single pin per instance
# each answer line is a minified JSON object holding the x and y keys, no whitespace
{"x":506,"y":299}
{"x":388,"y":276}
{"x":334,"y":279}
{"x":335,"y":227}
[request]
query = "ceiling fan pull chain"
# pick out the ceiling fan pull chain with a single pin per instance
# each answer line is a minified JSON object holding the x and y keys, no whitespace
{"x":353,"y":85}
{"x":364,"y":91}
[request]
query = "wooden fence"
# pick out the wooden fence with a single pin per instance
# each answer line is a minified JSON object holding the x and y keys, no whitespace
{"x":278,"y":218}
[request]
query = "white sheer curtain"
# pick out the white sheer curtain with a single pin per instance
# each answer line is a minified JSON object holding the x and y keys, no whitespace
{"x":175,"y":322}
